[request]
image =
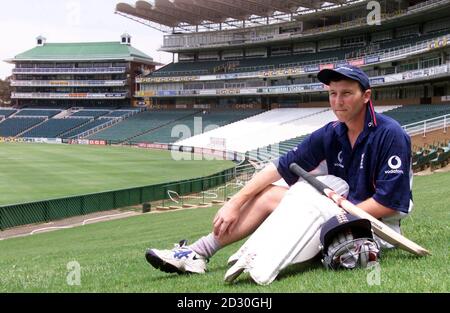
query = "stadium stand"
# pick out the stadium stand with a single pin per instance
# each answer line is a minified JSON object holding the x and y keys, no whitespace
{"x":268,"y":63}
{"x":84,"y":74}
{"x":274,"y":64}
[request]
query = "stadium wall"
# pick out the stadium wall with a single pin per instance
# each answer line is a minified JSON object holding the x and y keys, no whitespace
{"x":56,"y":209}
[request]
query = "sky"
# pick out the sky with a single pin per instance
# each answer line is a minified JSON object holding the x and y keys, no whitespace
{"x":21,"y":21}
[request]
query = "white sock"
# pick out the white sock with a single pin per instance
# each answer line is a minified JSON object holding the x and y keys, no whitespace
{"x":206,"y":246}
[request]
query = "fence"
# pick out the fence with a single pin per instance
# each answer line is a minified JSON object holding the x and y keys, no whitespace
{"x":55,"y":209}
{"x":422,"y":127}
{"x":204,"y":192}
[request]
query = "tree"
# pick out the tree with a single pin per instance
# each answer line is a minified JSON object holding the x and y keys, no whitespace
{"x":5,"y":91}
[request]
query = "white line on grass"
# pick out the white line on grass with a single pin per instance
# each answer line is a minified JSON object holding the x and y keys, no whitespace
{"x":106,"y":216}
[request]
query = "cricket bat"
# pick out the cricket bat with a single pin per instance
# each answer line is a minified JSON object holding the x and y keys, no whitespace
{"x":380,"y":229}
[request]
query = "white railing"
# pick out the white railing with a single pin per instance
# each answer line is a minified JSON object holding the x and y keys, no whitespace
{"x":69,"y":70}
{"x":423,"y":127}
{"x":81,"y":95}
{"x":112,"y":121}
{"x":67,"y":83}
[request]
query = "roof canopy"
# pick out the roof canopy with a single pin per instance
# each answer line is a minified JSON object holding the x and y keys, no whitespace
{"x":175,"y":13}
{"x":87,"y":51}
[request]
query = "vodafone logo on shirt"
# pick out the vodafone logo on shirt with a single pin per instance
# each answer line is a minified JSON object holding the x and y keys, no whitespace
{"x":394,"y":164}
{"x":340,"y":159}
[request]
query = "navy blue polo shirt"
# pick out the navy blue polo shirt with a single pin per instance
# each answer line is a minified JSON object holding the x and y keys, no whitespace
{"x":378,"y":166}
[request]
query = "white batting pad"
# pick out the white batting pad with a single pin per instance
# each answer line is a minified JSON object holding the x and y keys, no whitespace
{"x":290,"y":234}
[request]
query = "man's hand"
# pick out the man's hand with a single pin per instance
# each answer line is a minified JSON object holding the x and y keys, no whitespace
{"x":226,"y":218}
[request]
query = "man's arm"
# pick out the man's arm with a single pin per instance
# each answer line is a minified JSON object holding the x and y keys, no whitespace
{"x":228,"y":215}
{"x":257,"y":184}
{"x":376,"y":209}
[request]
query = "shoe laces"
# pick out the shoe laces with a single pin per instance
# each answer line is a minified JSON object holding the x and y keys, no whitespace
{"x":182,"y":245}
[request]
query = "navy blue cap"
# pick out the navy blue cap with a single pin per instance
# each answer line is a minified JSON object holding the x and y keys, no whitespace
{"x":361,"y":228}
{"x":345,"y":71}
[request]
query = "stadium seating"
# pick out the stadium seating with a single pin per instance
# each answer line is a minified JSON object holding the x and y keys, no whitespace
{"x":272,"y":152}
{"x":242,"y":131}
{"x":188,"y":68}
{"x":431,"y":156}
{"x":84,"y":128}
{"x":290,"y":60}
{"x":409,"y":114}
{"x":140,"y":124}
{"x":7,"y":112}
{"x":256,"y":64}
{"x":39,"y":112}
{"x":258,"y":131}
{"x":210,"y":119}
{"x":442,"y":159}
{"x":53,"y":128}
{"x":248,"y":65}
{"x":411,"y":41}
{"x":386,"y":108}
{"x":13,"y":126}
{"x":120,"y":113}
{"x":91,"y":113}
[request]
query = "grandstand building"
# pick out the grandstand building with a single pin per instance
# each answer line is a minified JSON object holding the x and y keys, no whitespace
{"x":91,"y":74}
{"x":265,"y":54}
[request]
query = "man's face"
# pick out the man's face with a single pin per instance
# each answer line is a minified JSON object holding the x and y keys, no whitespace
{"x":347,"y":100}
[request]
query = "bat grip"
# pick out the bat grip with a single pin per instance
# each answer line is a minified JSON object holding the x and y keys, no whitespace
{"x":296,"y":169}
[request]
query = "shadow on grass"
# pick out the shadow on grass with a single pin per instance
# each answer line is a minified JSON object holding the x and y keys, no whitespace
{"x":291,"y":270}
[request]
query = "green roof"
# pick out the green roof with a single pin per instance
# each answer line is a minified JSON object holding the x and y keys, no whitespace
{"x":83,"y":51}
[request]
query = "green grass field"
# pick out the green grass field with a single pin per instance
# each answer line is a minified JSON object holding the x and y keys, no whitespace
{"x":111,"y":255}
{"x":33,"y":172}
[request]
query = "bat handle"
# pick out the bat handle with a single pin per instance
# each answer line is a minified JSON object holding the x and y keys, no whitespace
{"x":296,"y":169}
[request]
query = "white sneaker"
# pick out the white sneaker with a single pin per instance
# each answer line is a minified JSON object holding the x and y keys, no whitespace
{"x":179,"y":260}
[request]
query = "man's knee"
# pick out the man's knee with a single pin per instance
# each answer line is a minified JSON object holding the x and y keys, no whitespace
{"x":270,"y":197}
